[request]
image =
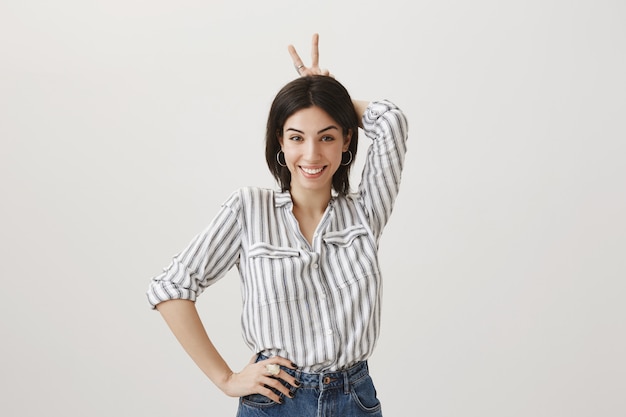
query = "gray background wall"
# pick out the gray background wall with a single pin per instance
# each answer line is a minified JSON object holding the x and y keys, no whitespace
{"x":125,"y":124}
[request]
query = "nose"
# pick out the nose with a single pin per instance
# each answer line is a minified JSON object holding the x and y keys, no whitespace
{"x":312,"y":150}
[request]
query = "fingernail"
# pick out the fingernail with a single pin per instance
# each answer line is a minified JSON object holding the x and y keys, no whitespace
{"x":292,"y":394}
{"x":294,"y":365}
{"x":297,"y":383}
{"x":280,"y":400}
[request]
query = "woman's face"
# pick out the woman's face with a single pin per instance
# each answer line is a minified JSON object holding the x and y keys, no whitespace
{"x":313,"y":143}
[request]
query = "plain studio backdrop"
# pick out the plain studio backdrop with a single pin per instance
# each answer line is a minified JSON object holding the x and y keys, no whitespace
{"x":125,"y":124}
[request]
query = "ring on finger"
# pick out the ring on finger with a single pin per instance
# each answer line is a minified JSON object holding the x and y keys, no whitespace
{"x":299,"y":67}
{"x":272,"y":369}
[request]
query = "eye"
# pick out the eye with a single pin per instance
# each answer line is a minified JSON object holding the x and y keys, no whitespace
{"x":327,"y":139}
{"x":295,"y":138}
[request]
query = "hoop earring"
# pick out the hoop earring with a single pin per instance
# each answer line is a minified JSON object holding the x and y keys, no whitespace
{"x":349,"y":161}
{"x":278,"y":158}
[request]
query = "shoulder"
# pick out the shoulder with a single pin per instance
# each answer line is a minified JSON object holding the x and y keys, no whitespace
{"x":254,"y":196}
{"x":350,"y":202}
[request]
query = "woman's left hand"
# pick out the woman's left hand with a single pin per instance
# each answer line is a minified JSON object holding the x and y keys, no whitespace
{"x":314,"y":69}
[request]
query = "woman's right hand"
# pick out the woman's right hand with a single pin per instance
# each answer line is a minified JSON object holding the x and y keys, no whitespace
{"x":256,"y":379}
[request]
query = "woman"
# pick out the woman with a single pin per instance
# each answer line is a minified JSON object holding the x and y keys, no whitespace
{"x":307,"y":256}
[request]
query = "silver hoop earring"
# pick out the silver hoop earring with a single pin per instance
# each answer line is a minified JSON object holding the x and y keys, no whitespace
{"x":345,"y":164}
{"x":278,"y":159}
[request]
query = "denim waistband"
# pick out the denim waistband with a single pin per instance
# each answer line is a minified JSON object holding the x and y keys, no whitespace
{"x":328,"y":380}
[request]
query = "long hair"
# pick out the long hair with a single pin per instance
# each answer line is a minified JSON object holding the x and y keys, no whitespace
{"x":304,"y":92}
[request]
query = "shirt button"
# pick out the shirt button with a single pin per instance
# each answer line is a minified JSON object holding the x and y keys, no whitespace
{"x":315,"y":266}
{"x":329,"y":331}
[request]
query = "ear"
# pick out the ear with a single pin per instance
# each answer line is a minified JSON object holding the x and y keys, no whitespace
{"x":279,"y":136}
{"x":346,"y":140}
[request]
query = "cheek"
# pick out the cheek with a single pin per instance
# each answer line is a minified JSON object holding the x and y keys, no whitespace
{"x":337,"y":155}
{"x":290,"y":158}
{"x":289,"y":155}
{"x":334,"y":160}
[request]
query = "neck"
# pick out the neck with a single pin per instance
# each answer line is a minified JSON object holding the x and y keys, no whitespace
{"x":312,"y":202}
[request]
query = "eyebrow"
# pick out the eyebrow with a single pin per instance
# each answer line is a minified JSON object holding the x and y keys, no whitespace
{"x":321,"y":131}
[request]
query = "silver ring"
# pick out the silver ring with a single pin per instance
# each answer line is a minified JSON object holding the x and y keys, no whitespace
{"x":272,"y":369}
{"x":298,"y":68}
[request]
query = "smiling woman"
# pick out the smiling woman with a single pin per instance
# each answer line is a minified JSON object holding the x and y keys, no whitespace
{"x":330,"y":115}
{"x":307,"y":256}
{"x":312,"y":153}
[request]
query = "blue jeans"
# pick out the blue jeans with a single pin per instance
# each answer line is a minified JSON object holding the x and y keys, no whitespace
{"x":348,"y":393}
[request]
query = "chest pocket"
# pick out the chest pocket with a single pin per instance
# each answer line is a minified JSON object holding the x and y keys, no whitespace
{"x":264,"y":250}
{"x":344,"y":238}
{"x":273,"y":273}
{"x":353,"y":252}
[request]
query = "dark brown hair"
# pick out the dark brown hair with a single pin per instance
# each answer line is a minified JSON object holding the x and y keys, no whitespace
{"x":329,"y":95}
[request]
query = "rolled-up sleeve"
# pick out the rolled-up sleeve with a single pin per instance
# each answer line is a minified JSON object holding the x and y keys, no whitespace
{"x":209,"y":256}
{"x":386,"y":125}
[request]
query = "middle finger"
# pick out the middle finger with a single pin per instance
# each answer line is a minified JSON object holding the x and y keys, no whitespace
{"x":276,"y":384}
{"x":288,"y":378}
{"x":315,"y":54}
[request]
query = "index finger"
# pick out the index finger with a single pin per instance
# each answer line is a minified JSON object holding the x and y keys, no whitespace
{"x":315,"y":54}
{"x":297,"y":61}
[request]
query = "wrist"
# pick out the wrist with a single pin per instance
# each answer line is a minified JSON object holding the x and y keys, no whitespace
{"x":224,"y":383}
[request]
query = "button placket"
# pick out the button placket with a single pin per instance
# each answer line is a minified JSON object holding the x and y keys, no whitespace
{"x":317,"y":271}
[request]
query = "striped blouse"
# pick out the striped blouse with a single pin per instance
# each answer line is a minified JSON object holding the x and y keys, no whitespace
{"x":316,"y":304}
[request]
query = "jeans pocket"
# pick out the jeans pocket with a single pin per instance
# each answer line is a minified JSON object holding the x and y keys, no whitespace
{"x":364,"y":395}
{"x":257,"y":401}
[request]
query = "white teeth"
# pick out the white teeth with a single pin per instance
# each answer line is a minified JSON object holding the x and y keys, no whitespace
{"x":312,"y":171}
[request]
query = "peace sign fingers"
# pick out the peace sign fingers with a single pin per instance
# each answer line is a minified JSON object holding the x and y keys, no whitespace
{"x":314,"y":69}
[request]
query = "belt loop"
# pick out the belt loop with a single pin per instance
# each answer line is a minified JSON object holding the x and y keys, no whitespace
{"x":298,"y":375}
{"x":346,"y":382}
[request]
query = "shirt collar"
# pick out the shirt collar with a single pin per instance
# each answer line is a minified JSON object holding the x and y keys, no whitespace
{"x":283,"y":198}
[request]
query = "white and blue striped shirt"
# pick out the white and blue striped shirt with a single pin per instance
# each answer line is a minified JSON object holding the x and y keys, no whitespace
{"x":316,"y":304}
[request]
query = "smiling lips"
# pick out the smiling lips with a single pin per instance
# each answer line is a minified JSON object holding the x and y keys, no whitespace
{"x":312,"y":171}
